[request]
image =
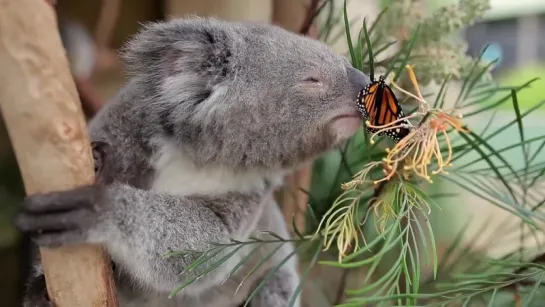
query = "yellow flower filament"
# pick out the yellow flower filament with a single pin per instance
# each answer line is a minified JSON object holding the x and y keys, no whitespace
{"x":340,"y":224}
{"x":420,"y":147}
{"x":391,"y":126}
{"x":412,"y":154}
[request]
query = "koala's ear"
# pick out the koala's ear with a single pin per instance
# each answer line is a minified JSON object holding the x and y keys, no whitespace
{"x":181,"y":46}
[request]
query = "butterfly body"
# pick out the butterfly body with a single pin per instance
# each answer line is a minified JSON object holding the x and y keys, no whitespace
{"x":380,"y":107}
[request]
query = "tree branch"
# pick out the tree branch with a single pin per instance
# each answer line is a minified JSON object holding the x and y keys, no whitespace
{"x":43,"y":116}
{"x":311,"y":14}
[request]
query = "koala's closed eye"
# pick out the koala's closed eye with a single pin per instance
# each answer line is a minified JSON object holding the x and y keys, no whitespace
{"x":311,"y":80}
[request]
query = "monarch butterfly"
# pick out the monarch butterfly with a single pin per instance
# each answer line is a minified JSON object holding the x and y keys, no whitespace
{"x":379,"y":105}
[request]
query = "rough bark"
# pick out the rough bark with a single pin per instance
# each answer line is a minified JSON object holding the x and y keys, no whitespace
{"x":44,"y":119}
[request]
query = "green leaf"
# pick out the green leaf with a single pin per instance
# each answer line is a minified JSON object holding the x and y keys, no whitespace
{"x":295,"y":228}
{"x":203,"y":258}
{"x":478,"y":77}
{"x":467,"y":80}
{"x":534,"y":180}
{"x":520,"y":126}
{"x":406,"y":52}
{"x":440,"y":98}
{"x":260,"y":263}
{"x":210,"y":269}
{"x":493,"y":298}
{"x":530,"y":297}
{"x":244,"y":260}
{"x":342,"y":32}
{"x":315,"y":256}
{"x":415,"y":264}
{"x":329,"y":21}
{"x":384,"y":280}
{"x":375,"y":258}
{"x":378,"y":19}
{"x":379,"y":50}
{"x":269,"y":275}
{"x":490,"y":163}
{"x":349,"y":36}
{"x":498,"y":151}
{"x":499,"y":102}
{"x":359,"y":51}
{"x":370,"y":51}
{"x":538,"y":150}
{"x":516,"y":210}
{"x":312,"y":214}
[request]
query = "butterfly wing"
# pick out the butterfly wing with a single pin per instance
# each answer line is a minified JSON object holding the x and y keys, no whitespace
{"x":380,"y":107}
{"x":366,"y":99}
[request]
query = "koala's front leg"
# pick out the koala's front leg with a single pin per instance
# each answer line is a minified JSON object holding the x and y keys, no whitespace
{"x":137,"y":226}
{"x":64,"y":217}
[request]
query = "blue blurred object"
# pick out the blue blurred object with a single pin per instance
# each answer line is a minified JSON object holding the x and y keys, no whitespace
{"x":493,"y":52}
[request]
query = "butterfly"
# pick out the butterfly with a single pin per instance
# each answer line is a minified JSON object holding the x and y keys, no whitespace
{"x":379,"y":105}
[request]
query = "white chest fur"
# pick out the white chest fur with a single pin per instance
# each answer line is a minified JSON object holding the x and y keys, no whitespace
{"x":175,"y":173}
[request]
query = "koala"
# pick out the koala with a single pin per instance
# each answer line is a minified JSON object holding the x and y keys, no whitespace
{"x":213,"y":115}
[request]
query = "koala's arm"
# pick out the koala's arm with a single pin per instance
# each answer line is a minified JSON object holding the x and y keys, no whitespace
{"x":137,"y":226}
{"x":138,"y":223}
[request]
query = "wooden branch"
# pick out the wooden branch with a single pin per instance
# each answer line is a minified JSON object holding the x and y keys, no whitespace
{"x":234,"y":10}
{"x":43,"y":116}
{"x":107,"y":19}
{"x":290,"y":14}
{"x":310,"y":17}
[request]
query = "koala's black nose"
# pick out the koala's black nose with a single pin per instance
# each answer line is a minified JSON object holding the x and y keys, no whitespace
{"x":357,"y":78}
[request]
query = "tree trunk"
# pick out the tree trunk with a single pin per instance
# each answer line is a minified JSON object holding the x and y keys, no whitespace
{"x":290,"y":14}
{"x":43,"y":116}
{"x":233,"y":10}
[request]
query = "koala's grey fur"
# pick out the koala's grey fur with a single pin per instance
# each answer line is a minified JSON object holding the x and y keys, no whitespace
{"x":189,"y":151}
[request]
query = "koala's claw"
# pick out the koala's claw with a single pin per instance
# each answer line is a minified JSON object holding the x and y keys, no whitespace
{"x":36,"y":294}
{"x":39,"y":303}
{"x":60,"y":217}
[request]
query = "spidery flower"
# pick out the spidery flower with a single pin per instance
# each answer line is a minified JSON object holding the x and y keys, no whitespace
{"x":340,"y":224}
{"x":413,"y":154}
{"x":417,"y":152}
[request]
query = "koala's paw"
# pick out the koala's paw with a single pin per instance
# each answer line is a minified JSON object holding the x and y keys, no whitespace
{"x":36,"y":294}
{"x":60,"y":218}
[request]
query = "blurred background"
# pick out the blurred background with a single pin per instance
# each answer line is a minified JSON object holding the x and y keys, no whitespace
{"x":93,"y":30}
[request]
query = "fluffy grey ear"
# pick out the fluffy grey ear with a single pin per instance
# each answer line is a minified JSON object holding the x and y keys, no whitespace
{"x":195,"y":46}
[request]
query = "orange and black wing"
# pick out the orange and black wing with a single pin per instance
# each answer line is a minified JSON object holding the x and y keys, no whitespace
{"x":366,"y":99}
{"x":380,"y":107}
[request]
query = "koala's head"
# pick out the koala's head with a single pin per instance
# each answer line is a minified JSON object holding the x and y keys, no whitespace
{"x":245,"y":95}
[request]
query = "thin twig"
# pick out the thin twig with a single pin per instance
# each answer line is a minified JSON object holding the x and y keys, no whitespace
{"x":311,"y":14}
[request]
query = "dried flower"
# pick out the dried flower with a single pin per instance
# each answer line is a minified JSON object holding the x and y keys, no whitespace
{"x":418,"y":150}
{"x":339,"y":223}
